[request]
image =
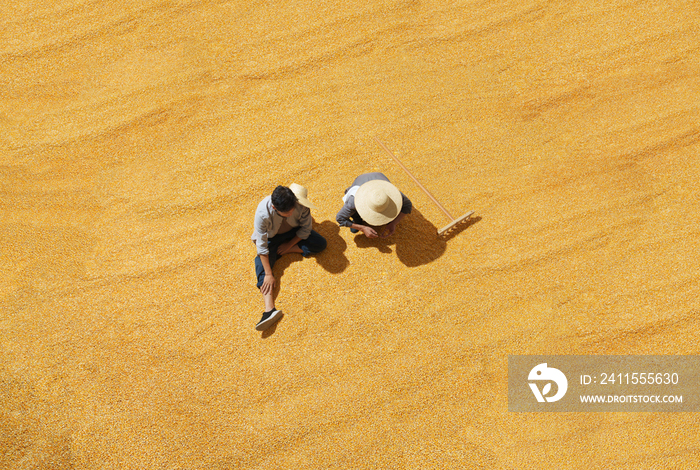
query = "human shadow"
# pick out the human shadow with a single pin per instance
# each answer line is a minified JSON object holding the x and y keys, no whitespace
{"x":416,"y":240}
{"x":332,"y":259}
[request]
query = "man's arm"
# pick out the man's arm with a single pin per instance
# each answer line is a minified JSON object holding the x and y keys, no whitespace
{"x":343,"y":219}
{"x":269,"y":282}
{"x":285,"y":247}
{"x":261,"y":226}
{"x":406,"y":204}
{"x":344,"y":214}
{"x":367,"y":230}
{"x":304,"y":221}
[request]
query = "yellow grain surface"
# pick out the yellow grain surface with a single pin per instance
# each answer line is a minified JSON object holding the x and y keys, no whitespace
{"x":137,"y":137}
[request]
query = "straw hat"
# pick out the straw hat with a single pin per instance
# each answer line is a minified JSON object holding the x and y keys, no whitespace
{"x":302,"y":195}
{"x":378,"y":202}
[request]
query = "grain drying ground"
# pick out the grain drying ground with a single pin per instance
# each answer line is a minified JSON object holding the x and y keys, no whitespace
{"x":137,"y":138}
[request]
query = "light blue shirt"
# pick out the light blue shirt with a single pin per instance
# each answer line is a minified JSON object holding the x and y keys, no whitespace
{"x":268,"y":222}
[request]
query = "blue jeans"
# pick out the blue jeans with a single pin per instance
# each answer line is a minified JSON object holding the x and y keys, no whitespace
{"x":314,"y":244}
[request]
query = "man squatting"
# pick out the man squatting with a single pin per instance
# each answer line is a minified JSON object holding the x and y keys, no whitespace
{"x":372,"y":201}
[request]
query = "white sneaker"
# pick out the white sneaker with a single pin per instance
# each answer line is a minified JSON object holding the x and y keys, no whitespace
{"x":268,"y":319}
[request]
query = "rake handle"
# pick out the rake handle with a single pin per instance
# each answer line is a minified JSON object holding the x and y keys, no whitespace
{"x":414,"y":179}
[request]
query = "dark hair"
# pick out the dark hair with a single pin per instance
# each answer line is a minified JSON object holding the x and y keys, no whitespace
{"x":283,"y":199}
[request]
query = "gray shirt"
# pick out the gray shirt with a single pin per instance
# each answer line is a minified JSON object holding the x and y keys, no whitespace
{"x":348,"y":211}
{"x":268,"y":222}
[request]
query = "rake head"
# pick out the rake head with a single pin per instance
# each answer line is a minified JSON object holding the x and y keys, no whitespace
{"x":455,"y":223}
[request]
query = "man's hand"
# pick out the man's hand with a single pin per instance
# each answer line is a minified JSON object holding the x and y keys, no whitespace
{"x":391,"y":226}
{"x":292,"y":246}
{"x":369,"y":232}
{"x":283,"y":248}
{"x":268,"y":284}
{"x":389,"y":230}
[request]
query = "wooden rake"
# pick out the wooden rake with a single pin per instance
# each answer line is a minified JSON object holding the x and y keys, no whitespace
{"x":432,"y":198}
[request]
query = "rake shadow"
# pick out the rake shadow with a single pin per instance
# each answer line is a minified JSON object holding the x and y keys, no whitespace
{"x":460,"y":227}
